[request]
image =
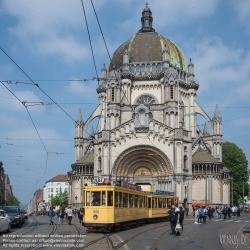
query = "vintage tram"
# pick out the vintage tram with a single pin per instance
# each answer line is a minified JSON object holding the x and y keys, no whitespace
{"x":107,"y":206}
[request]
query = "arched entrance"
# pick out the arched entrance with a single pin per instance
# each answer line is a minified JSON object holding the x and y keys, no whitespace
{"x":143,"y":165}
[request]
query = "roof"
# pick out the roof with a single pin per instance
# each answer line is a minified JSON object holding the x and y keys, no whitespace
{"x":60,"y":177}
{"x":148,"y":47}
{"x":202,"y":156}
{"x":88,"y":158}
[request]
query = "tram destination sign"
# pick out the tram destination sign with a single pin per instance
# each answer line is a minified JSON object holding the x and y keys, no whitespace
{"x":130,"y":186}
{"x":164,"y":192}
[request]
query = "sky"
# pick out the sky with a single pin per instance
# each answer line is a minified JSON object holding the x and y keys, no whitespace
{"x":49,"y":42}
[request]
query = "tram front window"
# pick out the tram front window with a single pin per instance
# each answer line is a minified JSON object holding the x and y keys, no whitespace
{"x":110,"y":198}
{"x":95,"y":198}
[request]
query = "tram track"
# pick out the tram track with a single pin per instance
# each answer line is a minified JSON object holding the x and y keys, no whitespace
{"x":46,"y":238}
{"x":110,"y":242}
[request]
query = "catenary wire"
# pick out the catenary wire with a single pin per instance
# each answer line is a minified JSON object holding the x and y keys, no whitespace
{"x":93,"y":57}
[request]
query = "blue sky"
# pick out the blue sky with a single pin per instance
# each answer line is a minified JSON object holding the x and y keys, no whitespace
{"x":48,"y":39}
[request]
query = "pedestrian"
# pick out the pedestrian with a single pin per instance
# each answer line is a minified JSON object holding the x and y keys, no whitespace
{"x":224,"y":211}
{"x":61,"y":215}
{"x":181,"y":219}
{"x":219,"y":212}
{"x":238,"y":211}
{"x":80,"y":215}
{"x":70,"y":214}
{"x":229,"y":211}
{"x":196,"y":216}
{"x":210,"y":213}
{"x":200,"y":214}
{"x":66,"y":213}
{"x":233,"y":211}
{"x":51,"y":213}
{"x":187,"y":210}
{"x":174,"y":214}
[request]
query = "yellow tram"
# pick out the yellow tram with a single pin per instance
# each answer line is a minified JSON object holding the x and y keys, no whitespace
{"x":110,"y":207}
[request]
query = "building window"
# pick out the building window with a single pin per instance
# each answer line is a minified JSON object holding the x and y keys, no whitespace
{"x":158,"y":67}
{"x":48,"y":189}
{"x":148,"y":68}
{"x":185,"y":162}
{"x":51,"y":190}
{"x":99,"y":163}
{"x":112,"y":94}
{"x":137,"y":69}
{"x":65,"y":189}
{"x":132,"y":69}
{"x":153,"y":68}
{"x":57,"y":190}
{"x":171,"y":92}
{"x":143,"y":69}
{"x":146,"y":23}
{"x":51,"y":196}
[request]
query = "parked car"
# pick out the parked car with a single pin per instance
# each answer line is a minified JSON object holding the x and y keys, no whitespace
{"x":15,"y":215}
{"x":4,"y":222}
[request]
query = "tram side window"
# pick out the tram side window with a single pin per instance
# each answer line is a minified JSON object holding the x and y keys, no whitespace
{"x":159,"y":202}
{"x":103,"y":198}
{"x":153,"y":203}
{"x":120,"y":199}
{"x":87,"y":198}
{"x":141,"y":201}
{"x":176,"y":202}
{"x":116,"y":199}
{"x":125,"y":200}
{"x":130,"y":200}
{"x":149,"y":202}
{"x":110,"y":198}
{"x":136,"y":201}
{"x":156,"y":202}
{"x":164,"y":203}
{"x":95,"y":198}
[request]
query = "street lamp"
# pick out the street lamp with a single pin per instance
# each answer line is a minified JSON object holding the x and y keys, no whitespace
{"x":76,"y":201}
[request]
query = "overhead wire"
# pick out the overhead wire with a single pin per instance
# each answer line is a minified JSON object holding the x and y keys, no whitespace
{"x":93,"y":57}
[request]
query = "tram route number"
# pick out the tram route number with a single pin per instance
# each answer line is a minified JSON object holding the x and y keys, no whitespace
{"x":95,"y":211}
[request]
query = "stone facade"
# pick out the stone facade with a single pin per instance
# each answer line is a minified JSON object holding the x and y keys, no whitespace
{"x":147,"y":124}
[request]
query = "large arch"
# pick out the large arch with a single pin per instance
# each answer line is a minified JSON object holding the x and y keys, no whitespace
{"x":142,"y":156}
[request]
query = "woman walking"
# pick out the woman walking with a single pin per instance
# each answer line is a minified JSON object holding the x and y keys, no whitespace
{"x":60,"y":215}
{"x":181,"y":219}
{"x":51,"y":214}
{"x":80,"y":215}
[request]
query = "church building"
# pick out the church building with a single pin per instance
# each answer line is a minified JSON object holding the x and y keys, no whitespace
{"x":147,"y":129}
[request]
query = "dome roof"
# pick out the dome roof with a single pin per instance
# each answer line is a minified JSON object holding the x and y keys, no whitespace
{"x":147,"y":46}
{"x":201,"y":156}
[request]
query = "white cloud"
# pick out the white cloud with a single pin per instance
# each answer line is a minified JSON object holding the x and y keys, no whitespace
{"x":218,"y":65}
{"x":50,"y":27}
{"x":77,"y":87}
{"x":15,"y":105}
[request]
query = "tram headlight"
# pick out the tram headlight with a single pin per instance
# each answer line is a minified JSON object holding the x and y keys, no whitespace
{"x":95,"y":217}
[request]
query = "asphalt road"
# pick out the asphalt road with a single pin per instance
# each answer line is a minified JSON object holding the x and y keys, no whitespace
{"x":217,"y":234}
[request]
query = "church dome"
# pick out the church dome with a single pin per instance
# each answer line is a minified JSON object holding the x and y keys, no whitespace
{"x":147,"y":46}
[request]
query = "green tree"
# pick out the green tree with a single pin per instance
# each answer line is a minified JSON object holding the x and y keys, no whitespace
{"x":235,"y":160}
{"x":12,"y":200}
{"x":61,"y":199}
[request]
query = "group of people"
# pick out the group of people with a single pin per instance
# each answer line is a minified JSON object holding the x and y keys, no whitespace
{"x":176,"y":218}
{"x":62,"y":213}
{"x":201,"y":213}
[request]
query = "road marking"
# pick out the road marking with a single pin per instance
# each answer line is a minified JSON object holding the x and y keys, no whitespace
{"x":228,"y":221}
{"x":238,"y":220}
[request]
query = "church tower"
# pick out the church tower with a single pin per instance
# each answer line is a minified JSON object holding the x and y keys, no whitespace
{"x":79,"y":147}
{"x":217,"y":134}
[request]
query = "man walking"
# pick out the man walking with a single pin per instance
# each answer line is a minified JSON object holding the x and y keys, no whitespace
{"x":187,"y":210}
{"x":224,"y":211}
{"x":70,"y":214}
